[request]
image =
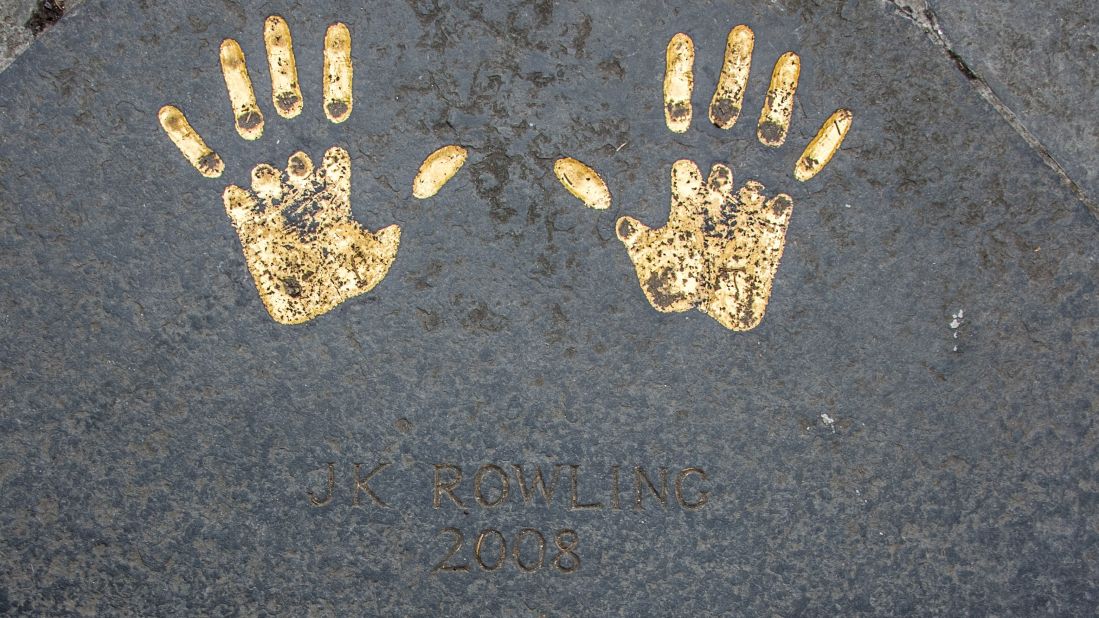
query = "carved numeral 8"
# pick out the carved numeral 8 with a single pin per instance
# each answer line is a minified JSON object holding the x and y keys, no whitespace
{"x":567,"y":560}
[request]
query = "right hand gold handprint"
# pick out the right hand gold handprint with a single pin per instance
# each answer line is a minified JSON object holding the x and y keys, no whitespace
{"x":720,"y":249}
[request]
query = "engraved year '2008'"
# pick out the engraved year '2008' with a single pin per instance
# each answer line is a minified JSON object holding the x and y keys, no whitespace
{"x":527,"y":551}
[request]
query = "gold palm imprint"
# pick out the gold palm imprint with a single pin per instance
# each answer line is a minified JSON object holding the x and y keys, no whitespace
{"x":720,"y":248}
{"x":303,"y":248}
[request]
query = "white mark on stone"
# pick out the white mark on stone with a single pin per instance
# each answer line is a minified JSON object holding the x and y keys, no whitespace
{"x":956,"y":322}
{"x":828,"y":421}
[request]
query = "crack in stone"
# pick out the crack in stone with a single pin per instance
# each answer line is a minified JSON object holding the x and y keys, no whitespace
{"x":920,"y":13}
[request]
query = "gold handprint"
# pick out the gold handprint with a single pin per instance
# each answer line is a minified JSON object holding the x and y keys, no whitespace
{"x":303,"y":247}
{"x":720,"y":249}
{"x":305,"y":251}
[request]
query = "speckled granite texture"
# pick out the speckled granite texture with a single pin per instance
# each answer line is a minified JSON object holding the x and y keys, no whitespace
{"x":908,"y":432}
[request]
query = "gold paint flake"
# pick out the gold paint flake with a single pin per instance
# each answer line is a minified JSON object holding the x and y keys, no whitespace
{"x":821,"y":150}
{"x":175,"y":124}
{"x":679,"y":82}
{"x":285,"y":90}
{"x":729,"y":94}
{"x":306,"y":252}
{"x":778,"y":108}
{"x":583,"y":182}
{"x":246,"y":113}
{"x":718,"y":252}
{"x":438,"y":168}
{"x":338,"y":73}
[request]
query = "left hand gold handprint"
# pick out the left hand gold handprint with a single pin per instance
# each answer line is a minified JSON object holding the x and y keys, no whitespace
{"x":305,"y":251}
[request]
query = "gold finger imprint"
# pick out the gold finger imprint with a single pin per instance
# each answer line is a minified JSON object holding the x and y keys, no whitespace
{"x":437,"y":169}
{"x":824,"y":146}
{"x":246,"y":113}
{"x":778,"y":107}
{"x":679,"y":82}
{"x":285,"y":90}
{"x":338,"y":73}
{"x":583,"y":182}
{"x":729,"y":94}
{"x":175,"y":124}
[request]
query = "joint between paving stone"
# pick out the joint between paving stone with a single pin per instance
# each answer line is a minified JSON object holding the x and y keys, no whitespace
{"x":923,"y":15}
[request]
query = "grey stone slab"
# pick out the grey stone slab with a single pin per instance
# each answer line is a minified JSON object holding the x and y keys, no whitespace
{"x":867,"y":451}
{"x":1042,"y":60}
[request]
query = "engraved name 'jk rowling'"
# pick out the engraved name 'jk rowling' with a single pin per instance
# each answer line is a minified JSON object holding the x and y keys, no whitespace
{"x":570,"y":486}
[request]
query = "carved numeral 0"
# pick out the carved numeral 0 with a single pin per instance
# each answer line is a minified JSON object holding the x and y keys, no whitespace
{"x":517,"y":550}
{"x":501,"y":549}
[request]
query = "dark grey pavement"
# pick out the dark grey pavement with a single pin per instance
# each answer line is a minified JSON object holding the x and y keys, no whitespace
{"x":910,"y":431}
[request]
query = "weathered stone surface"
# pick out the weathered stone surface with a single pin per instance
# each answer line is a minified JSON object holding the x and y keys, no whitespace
{"x":907,"y":432}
